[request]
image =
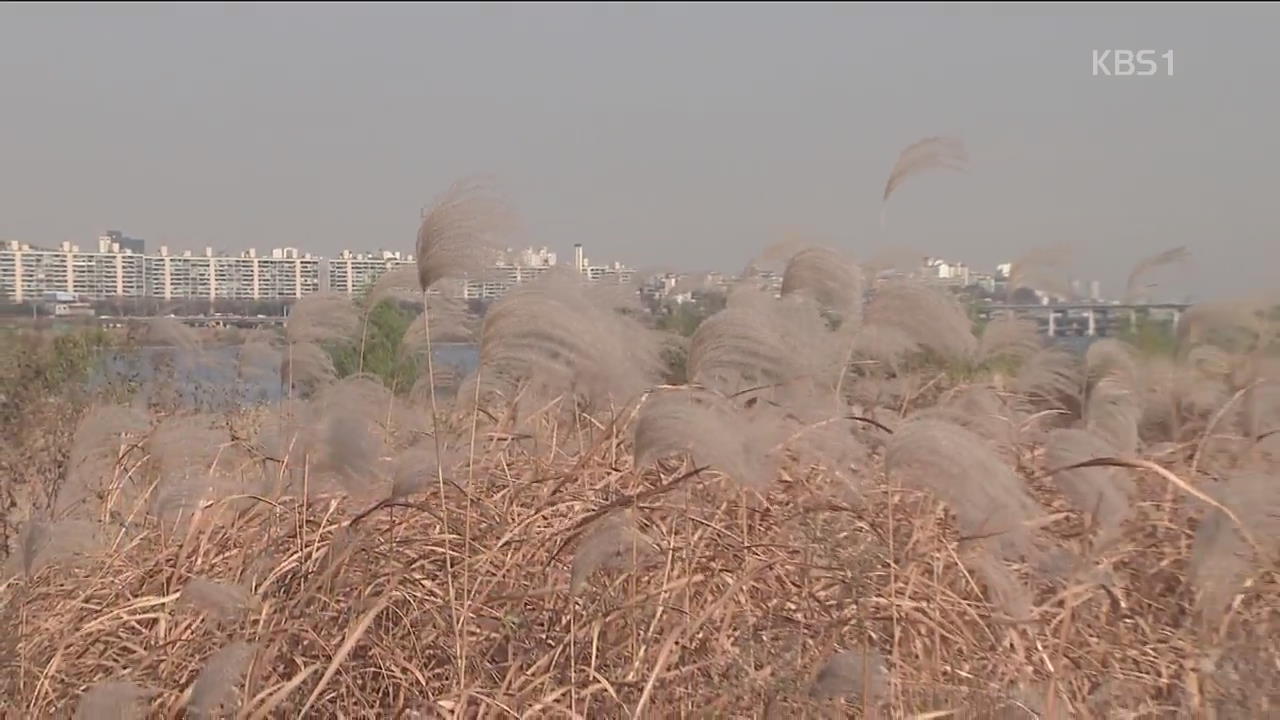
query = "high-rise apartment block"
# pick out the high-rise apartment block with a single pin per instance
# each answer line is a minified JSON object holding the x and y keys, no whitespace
{"x":117,"y":268}
{"x":353,"y":272}
{"x":28,"y":273}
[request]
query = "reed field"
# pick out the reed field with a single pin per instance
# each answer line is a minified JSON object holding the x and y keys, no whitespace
{"x":843,"y":499}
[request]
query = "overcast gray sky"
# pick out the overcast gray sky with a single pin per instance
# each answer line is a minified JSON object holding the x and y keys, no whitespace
{"x":683,"y":135}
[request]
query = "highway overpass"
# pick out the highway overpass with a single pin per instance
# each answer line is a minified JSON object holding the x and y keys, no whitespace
{"x":1087,"y":319}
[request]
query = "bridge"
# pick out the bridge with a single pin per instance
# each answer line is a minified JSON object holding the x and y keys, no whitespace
{"x":209,"y":321}
{"x":1072,"y":319}
{"x":1087,"y":319}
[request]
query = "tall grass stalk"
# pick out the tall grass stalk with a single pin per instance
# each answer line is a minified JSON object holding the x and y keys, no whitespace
{"x":444,"y":500}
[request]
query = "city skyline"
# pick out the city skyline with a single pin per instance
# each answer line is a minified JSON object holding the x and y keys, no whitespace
{"x":120,"y":266}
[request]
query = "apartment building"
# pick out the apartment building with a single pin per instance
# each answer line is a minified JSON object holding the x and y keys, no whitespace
{"x":352,"y":273}
{"x":500,"y":279}
{"x":518,"y":268}
{"x":114,"y":270}
{"x":614,"y":273}
{"x":28,"y":273}
{"x":285,"y":273}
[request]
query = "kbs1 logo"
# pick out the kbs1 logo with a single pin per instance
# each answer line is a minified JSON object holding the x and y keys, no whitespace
{"x":1125,"y":63}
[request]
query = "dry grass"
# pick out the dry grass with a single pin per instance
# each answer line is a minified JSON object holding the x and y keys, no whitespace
{"x":737,"y":607}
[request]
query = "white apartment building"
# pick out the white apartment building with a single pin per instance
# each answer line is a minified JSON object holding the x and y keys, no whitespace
{"x":600,"y":273}
{"x":353,"y":272}
{"x":500,"y":279}
{"x":285,"y":274}
{"x":947,"y":272}
{"x":614,"y":273}
{"x":28,"y":273}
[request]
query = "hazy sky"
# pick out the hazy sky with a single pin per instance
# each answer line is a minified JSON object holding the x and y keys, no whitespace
{"x":683,"y":135}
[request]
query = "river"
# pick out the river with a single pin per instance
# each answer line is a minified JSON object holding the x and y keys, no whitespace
{"x":211,"y":379}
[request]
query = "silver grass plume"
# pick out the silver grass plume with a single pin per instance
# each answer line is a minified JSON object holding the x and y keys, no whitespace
{"x":316,"y":320}
{"x":1053,"y":376}
{"x":1042,"y":269}
{"x":447,"y":380}
{"x":192,"y":463}
{"x":931,"y":153}
{"x":258,"y":360}
{"x":349,"y":440}
{"x":755,"y":341}
{"x":829,"y":279}
{"x":1258,"y":413}
{"x":1202,"y":383}
{"x":980,"y":410}
{"x":1209,"y":361}
{"x":1177,"y":395}
{"x":1239,"y":324}
{"x":811,"y":438}
{"x":964,"y":471}
{"x":1113,"y":359}
{"x":1004,"y":590}
{"x":615,"y":543}
{"x":463,"y":231}
{"x":216,"y":688}
{"x":100,"y":437}
{"x":886,"y":345}
{"x":776,"y":255}
{"x":1221,"y":558}
{"x":415,"y":468}
{"x":1248,"y":328}
{"x":398,"y":284}
{"x":932,"y":318}
{"x":449,"y":323}
{"x":113,"y":700}
{"x":284,"y":433}
{"x":554,"y":337}
{"x":711,"y":431}
{"x":42,"y":543}
{"x":1008,"y":338}
{"x":306,"y":366}
{"x":322,"y":317}
{"x":1103,"y":493}
{"x":224,"y":602}
{"x":1148,"y":264}
{"x":854,"y":675}
{"x":1113,"y":411}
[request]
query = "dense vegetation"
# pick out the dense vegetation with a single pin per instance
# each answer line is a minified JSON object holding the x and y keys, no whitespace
{"x":835,"y":506}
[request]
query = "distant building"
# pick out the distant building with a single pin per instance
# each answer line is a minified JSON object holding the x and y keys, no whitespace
{"x":529,"y":257}
{"x":286,"y":274}
{"x":114,"y":270}
{"x":985,"y":281}
{"x":947,"y":272}
{"x":27,"y":272}
{"x":121,"y":243}
{"x":353,"y":272}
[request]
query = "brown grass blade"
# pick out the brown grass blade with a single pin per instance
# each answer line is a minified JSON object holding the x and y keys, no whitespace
{"x":1163,"y":472}
{"x":353,"y":636}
